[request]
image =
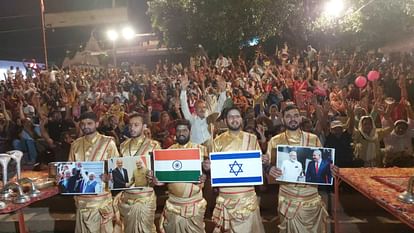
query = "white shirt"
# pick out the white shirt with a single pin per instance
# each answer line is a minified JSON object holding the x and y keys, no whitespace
{"x":399,"y":143}
{"x":291,"y":170}
{"x":311,"y":54}
{"x":199,"y":127}
{"x":52,"y":76}
{"x":98,"y":187}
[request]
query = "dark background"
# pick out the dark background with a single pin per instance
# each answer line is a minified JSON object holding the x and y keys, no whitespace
{"x":21,"y":35}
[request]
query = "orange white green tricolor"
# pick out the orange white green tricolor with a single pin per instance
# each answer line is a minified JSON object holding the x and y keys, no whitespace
{"x":177,"y":165}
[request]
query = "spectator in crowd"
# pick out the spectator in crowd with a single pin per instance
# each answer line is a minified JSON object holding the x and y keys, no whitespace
{"x":398,"y":145}
{"x":199,"y":132}
{"x":340,"y":138}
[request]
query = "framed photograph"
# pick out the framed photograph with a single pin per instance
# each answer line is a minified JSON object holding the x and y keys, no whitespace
{"x":128,"y":172}
{"x":305,"y":165}
{"x":80,"y":178}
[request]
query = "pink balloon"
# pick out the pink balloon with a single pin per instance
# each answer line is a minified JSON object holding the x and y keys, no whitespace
{"x":373,"y":75}
{"x":360,"y":81}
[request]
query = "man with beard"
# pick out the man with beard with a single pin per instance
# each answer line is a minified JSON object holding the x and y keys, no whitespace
{"x":138,"y":144}
{"x":93,"y":212}
{"x":291,"y":168}
{"x":300,"y":206}
{"x":57,"y":125}
{"x":91,"y":185}
{"x":113,"y":129}
{"x":140,"y":175}
{"x":138,"y":216}
{"x":237,"y":208}
{"x":54,"y":132}
{"x":319,"y":170}
{"x":185,"y":206}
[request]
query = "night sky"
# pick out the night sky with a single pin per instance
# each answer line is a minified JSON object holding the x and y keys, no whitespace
{"x":20,"y":27}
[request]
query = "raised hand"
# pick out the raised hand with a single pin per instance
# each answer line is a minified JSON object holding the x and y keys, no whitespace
{"x":201,"y":76}
{"x":326,"y":106}
{"x":260,"y":129}
{"x":349,"y":106}
{"x":222,"y":85}
{"x":184,"y":82}
{"x":44,"y":120}
{"x":35,"y":100}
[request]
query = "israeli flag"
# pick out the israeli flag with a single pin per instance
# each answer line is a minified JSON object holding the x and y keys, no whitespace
{"x":237,"y":168}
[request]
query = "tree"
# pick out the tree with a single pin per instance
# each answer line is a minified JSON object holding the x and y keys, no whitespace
{"x":226,"y":25}
{"x":370,"y":22}
{"x":218,"y":25}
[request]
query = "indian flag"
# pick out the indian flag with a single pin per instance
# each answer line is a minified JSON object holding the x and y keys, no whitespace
{"x":177,"y":165}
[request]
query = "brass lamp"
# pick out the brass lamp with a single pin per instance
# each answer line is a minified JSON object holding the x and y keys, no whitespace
{"x":408,"y":196}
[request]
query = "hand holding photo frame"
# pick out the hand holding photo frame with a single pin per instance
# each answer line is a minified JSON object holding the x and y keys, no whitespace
{"x":305,"y":165}
{"x":129,"y":172}
{"x":80,"y":178}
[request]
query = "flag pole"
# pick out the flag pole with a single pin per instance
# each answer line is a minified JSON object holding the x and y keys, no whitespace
{"x":42,"y":15}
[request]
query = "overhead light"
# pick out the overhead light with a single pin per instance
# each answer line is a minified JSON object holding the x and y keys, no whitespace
{"x":112,"y":35}
{"x":334,"y":8}
{"x":128,"y":33}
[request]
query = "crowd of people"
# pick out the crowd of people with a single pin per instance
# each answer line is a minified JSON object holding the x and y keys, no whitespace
{"x":39,"y":115}
{"x":292,"y":97}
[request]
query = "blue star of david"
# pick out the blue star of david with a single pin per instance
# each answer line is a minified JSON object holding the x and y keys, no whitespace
{"x":232,"y":168}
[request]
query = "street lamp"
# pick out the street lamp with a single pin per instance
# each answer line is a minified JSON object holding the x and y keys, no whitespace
{"x":128,"y":33}
{"x":42,"y":19}
{"x":334,"y":8}
{"x":112,"y":35}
